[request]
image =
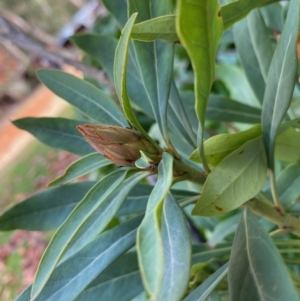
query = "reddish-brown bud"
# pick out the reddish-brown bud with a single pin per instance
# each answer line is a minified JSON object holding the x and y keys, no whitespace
{"x":120,"y":145}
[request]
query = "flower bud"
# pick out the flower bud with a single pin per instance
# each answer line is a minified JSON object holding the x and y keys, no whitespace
{"x":120,"y":145}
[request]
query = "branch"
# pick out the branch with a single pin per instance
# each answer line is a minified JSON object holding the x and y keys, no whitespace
{"x":283,"y":220}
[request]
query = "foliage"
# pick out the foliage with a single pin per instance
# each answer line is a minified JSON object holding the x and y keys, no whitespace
{"x":205,"y":205}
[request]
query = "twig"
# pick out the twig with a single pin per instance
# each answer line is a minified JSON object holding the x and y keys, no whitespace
{"x":26,"y":28}
{"x":10,"y":34}
{"x":283,"y":220}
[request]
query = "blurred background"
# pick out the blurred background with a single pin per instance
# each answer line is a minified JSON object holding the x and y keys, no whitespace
{"x":33,"y":34}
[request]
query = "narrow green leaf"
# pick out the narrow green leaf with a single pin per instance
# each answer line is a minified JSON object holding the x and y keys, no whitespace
{"x":202,"y":253}
{"x":255,"y":50}
{"x":45,"y":210}
{"x":120,"y":67}
{"x":25,"y":295}
{"x":155,"y":61}
{"x":72,"y":276}
{"x":288,"y":146}
{"x":120,"y":281}
{"x":237,"y":179}
{"x":81,"y":167}
{"x":199,"y":27}
{"x":281,"y":80}
{"x":220,"y":146}
{"x":149,"y":240}
{"x":221,"y":108}
{"x":256,"y":269}
{"x":159,"y":28}
{"x":58,"y":133}
{"x":206,"y":288}
{"x":138,"y":198}
{"x":237,"y":10}
{"x":71,"y":226}
{"x":86,"y":97}
{"x":236,"y":82}
{"x":177,"y":252}
{"x":102,"y":215}
{"x":118,"y":9}
{"x":103,"y":48}
{"x":179,"y":119}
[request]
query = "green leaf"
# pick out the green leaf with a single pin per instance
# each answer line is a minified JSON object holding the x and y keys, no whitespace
{"x":236,"y":82}
{"x":103,"y":214}
{"x":58,"y":133}
{"x":223,"y":229}
{"x":71,"y":277}
{"x":149,"y":232}
{"x":81,"y":167}
{"x":159,"y":28}
{"x":138,"y":198}
{"x":177,"y":252}
{"x":237,"y":10}
{"x":202,"y":253}
{"x":179,"y":120}
{"x":288,"y":146}
{"x":102,"y":48}
{"x":120,"y":67}
{"x":237,"y":179}
{"x":206,"y":288}
{"x":256,"y":269}
{"x":118,"y":9}
{"x":25,"y":295}
{"x":220,"y":146}
{"x":120,"y":281}
{"x":221,"y":108}
{"x":280,"y":81}
{"x":199,"y":27}
{"x":81,"y":214}
{"x":86,"y":97}
{"x":255,"y":50}
{"x":288,"y":183}
{"x":155,"y":61}
{"x":45,"y":210}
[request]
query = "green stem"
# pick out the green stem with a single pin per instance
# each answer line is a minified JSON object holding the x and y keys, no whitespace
{"x":190,"y":173}
{"x":275,"y":215}
{"x":274,"y":191}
